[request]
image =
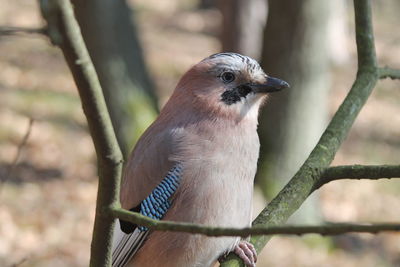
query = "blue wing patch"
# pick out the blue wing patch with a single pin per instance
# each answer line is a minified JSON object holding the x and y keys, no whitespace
{"x":156,"y":205}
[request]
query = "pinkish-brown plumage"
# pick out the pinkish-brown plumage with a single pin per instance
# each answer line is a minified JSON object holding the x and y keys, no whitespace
{"x":217,"y":144}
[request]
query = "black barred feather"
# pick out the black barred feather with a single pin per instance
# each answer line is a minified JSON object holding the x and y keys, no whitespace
{"x":155,"y":206}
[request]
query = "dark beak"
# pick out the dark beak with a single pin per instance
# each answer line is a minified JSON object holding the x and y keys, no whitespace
{"x":271,"y":85}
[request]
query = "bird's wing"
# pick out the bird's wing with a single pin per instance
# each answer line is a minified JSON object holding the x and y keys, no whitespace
{"x":148,"y":163}
{"x":130,"y":237}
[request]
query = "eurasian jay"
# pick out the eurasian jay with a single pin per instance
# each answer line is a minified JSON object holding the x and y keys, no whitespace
{"x":196,"y":163}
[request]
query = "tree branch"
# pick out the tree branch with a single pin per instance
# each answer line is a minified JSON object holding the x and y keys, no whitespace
{"x":301,"y":185}
{"x":372,"y":172}
{"x":366,"y":54}
{"x":386,"y":72}
{"x":18,"y":154}
{"x":327,"y":229}
{"x":11,"y":30}
{"x":330,"y":174}
{"x":64,"y":31}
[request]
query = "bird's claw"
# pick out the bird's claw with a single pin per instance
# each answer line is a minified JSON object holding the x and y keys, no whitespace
{"x":247,"y":253}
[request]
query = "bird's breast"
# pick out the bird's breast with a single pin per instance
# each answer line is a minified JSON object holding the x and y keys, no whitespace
{"x":219,"y":169}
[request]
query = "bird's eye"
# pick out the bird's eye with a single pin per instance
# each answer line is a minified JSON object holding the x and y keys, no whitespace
{"x":227,"y":77}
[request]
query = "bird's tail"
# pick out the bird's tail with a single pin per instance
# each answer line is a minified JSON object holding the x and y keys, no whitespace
{"x":126,"y":245}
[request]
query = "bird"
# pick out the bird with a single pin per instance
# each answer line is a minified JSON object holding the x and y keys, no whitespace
{"x":196,"y":163}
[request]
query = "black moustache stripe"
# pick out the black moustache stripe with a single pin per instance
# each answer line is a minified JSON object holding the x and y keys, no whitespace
{"x":236,"y":94}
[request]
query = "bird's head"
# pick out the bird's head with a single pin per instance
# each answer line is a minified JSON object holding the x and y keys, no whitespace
{"x":227,"y":84}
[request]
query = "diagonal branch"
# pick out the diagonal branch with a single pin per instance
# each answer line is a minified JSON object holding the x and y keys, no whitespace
{"x":64,"y":31}
{"x":301,"y":185}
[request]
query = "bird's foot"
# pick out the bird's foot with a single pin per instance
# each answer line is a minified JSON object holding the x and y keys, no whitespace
{"x":247,"y":253}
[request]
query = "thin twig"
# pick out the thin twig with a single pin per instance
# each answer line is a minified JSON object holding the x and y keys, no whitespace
{"x":372,"y":172}
{"x":20,"y":262}
{"x":387,"y":72}
{"x":326,"y":229}
{"x":20,"y":147}
{"x":11,"y":30}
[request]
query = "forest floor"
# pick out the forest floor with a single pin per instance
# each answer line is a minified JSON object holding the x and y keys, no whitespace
{"x":47,"y":201}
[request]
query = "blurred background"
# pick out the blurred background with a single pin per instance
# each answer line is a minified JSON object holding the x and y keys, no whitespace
{"x":140,"y":49}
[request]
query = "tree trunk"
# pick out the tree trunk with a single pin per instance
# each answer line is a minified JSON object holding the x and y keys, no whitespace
{"x":204,"y":4}
{"x":294,"y":49}
{"x":111,"y":37}
{"x":242,"y":26}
